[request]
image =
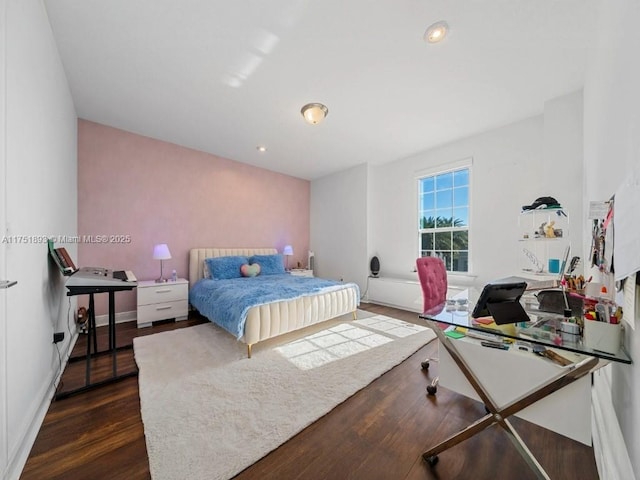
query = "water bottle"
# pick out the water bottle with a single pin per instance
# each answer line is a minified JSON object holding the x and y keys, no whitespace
{"x":174,"y":276}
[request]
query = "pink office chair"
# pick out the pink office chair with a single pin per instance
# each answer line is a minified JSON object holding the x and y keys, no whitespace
{"x":433,"y":280}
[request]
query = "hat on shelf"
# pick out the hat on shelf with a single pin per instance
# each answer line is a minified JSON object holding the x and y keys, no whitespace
{"x":543,"y":202}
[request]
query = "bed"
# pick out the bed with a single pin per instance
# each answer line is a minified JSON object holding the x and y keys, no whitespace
{"x":267,"y":317}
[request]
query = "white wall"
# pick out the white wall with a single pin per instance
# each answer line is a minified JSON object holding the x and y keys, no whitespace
{"x":339,"y":226}
{"x":611,"y":153}
{"x":511,"y":167}
{"x":3,"y":270}
{"x":41,"y":145}
{"x":503,"y":178}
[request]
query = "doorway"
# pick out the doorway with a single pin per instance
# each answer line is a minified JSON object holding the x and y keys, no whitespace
{"x":4,"y":445}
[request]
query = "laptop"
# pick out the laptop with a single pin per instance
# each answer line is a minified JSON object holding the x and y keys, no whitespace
{"x":502,"y":302}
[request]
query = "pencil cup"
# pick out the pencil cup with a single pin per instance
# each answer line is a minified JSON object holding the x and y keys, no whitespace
{"x":602,"y":336}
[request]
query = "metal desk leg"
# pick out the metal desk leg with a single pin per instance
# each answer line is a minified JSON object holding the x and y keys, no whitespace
{"x":112,"y":332}
{"x":499,"y":415}
{"x":91,"y":334}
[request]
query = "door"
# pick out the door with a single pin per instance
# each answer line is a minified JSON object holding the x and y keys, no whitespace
{"x":4,"y":448}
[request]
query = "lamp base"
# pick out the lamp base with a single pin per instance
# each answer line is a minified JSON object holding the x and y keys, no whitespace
{"x":161,"y":280}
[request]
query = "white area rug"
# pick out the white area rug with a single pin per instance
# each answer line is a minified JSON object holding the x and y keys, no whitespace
{"x":209,"y":411}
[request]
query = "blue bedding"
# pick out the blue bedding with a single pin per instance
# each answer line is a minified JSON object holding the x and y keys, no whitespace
{"x":227,"y":302}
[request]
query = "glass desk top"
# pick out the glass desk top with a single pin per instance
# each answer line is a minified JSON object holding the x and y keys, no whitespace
{"x":542,"y":329}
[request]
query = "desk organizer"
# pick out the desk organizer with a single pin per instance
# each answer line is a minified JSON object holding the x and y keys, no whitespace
{"x":602,"y":336}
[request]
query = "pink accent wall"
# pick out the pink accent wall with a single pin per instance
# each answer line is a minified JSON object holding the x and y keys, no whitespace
{"x":158,"y":192}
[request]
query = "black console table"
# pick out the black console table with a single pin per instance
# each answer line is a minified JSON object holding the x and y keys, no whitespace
{"x":91,"y":290}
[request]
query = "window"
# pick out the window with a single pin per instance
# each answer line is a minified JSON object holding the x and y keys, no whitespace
{"x":443,"y":220}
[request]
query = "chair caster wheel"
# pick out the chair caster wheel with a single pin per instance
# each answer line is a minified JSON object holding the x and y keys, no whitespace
{"x":432,"y":460}
{"x":432,"y":389}
{"x":425,"y":365}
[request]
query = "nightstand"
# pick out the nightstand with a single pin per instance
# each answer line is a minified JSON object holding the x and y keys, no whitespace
{"x":161,"y":301}
{"x":301,"y":272}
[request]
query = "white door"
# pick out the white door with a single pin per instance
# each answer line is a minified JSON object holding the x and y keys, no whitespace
{"x":3,"y":264}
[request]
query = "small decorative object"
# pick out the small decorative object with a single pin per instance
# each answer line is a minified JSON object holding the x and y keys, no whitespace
{"x":374,"y":265}
{"x":549,"y":232}
{"x":174,"y":276}
{"x":161,"y":252}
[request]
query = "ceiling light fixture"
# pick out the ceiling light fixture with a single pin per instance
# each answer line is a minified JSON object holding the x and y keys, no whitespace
{"x":436,"y":32}
{"x":261,"y":148}
{"x":314,"y":113}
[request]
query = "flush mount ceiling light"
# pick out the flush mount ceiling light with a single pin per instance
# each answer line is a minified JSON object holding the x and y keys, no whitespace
{"x":436,"y":32}
{"x":314,"y":113}
{"x":261,"y":148}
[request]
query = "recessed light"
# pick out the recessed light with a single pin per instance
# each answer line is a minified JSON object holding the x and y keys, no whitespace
{"x":436,"y":32}
{"x":261,"y":148}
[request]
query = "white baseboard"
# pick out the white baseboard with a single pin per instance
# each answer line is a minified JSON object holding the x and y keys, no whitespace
{"x":18,"y":458}
{"x":122,"y":317}
{"x":610,"y":450}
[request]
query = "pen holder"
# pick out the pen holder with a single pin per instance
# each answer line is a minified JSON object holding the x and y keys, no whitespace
{"x":602,"y":336}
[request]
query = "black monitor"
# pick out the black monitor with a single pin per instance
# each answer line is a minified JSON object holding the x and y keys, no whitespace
{"x":502,"y":301}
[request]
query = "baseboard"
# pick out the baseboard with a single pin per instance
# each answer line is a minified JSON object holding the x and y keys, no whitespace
{"x":609,"y":448}
{"x":18,"y":458}
{"x":122,"y":317}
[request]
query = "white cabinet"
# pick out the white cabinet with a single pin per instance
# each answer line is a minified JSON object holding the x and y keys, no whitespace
{"x":543,"y":239}
{"x":161,"y":301}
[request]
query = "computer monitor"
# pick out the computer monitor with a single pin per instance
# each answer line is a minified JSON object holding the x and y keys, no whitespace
{"x":502,"y":302}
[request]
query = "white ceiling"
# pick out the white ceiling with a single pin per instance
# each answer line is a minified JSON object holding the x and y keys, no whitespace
{"x":224,"y":76}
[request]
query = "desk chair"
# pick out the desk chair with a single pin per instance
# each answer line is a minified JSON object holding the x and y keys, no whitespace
{"x":433,"y":280}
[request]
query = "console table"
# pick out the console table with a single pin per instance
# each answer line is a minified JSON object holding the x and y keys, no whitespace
{"x":91,"y":290}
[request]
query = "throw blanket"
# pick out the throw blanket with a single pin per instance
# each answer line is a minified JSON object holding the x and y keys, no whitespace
{"x":226,"y":302}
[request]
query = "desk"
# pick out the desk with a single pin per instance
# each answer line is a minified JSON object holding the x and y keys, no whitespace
{"x":457,"y":315}
{"x":92,"y":340}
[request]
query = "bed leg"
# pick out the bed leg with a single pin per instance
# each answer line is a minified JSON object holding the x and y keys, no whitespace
{"x":355,"y":314}
{"x":249,"y":345}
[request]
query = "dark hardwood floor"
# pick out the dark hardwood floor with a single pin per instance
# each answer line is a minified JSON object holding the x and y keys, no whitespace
{"x":379,"y":433}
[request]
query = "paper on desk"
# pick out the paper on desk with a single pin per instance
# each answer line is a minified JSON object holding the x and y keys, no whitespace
{"x":626,"y":248}
{"x":598,"y":210}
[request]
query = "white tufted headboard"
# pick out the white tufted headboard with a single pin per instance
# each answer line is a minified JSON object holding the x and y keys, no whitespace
{"x":197,"y":256}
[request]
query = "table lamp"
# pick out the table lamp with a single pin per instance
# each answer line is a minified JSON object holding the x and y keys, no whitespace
{"x":287,"y":252}
{"x":161,"y":252}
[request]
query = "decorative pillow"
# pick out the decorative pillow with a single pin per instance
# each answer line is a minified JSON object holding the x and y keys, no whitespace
{"x":250,"y":270}
{"x":222,"y":268}
{"x":269,"y":264}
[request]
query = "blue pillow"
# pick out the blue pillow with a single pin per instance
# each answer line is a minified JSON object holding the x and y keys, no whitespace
{"x":269,"y":264}
{"x":222,"y":268}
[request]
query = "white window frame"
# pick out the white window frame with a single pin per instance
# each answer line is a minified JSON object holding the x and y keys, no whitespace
{"x":438,"y":170}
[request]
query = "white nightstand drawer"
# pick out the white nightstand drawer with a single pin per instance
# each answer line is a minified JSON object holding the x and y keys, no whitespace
{"x":162,"y":311}
{"x":162,"y":293}
{"x":161,"y":301}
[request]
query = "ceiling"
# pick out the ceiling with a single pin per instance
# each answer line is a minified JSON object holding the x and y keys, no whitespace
{"x":226,"y":76}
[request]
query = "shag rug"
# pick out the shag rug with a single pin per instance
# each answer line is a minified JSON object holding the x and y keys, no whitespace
{"x":209,"y":412}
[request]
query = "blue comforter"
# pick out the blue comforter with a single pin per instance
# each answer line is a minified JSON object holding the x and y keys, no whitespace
{"x":226,"y":302}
